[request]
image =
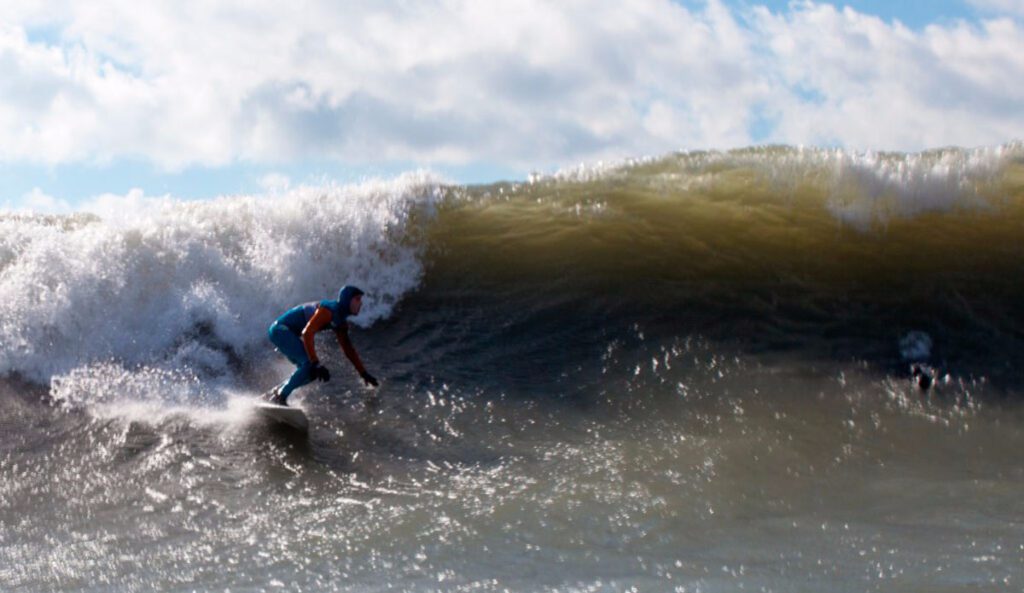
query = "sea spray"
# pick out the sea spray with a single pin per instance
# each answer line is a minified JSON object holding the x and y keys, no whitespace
{"x":143,"y":285}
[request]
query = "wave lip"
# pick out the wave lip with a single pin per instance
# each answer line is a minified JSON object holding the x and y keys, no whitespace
{"x":860,"y":187}
{"x":868,"y":188}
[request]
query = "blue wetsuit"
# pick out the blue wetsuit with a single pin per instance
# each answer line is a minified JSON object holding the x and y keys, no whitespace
{"x":286,"y":334}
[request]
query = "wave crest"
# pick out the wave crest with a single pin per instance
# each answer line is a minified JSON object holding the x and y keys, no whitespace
{"x":144,"y":284}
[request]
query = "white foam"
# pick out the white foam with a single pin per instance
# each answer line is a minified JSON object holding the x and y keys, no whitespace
{"x":870,"y":188}
{"x":862,"y":188}
{"x":152,"y":395}
{"x":170,"y":284}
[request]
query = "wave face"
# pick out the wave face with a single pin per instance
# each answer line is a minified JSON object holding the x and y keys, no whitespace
{"x":684,"y":373}
{"x":833,"y":252}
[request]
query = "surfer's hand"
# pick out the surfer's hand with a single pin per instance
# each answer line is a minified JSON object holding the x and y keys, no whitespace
{"x":369,"y":379}
{"x":321,"y":373}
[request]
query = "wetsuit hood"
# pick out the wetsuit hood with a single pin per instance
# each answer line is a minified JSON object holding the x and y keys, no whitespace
{"x":345,"y":296}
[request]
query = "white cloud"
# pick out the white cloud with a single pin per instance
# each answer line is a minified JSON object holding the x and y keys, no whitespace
{"x":275,"y":183}
{"x":109,"y":206}
{"x":39,"y":202}
{"x":1000,"y":6}
{"x":883,"y":86}
{"x":521,"y":82}
{"x":123,"y":208}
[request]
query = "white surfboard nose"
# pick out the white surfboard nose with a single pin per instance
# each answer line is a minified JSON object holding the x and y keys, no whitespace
{"x":293,"y":417}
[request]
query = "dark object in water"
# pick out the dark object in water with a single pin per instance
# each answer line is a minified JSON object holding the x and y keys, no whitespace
{"x":922,"y":376}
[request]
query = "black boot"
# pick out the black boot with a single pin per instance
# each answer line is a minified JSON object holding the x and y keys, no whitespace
{"x":274,"y":397}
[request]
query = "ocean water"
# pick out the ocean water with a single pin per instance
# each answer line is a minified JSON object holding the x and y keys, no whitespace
{"x":686,"y":373}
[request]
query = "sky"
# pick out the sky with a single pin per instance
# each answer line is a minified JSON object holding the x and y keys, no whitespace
{"x":199,"y":98}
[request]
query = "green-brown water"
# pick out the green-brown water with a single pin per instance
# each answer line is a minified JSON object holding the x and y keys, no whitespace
{"x":683,"y":374}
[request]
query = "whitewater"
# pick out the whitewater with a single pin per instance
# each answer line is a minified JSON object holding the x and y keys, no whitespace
{"x":686,"y":373}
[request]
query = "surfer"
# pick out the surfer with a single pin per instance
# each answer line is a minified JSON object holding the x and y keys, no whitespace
{"x":292,"y":333}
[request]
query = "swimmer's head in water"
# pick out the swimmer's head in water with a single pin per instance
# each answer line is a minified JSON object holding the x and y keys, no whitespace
{"x":922,"y":376}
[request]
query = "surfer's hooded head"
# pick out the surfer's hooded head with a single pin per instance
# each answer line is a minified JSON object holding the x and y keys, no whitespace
{"x":345,"y":297}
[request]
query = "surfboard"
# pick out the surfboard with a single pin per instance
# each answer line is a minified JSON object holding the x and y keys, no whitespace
{"x":293,"y":417}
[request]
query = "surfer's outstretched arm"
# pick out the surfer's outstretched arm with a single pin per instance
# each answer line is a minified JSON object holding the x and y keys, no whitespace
{"x":320,"y":318}
{"x":350,"y":352}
